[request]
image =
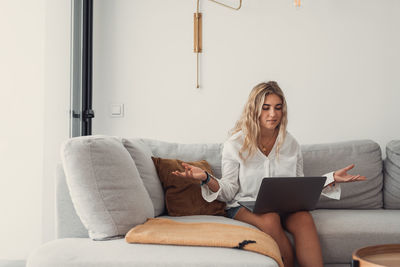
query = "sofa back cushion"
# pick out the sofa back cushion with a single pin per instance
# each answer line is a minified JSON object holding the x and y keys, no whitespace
{"x":141,"y":155}
{"x":391,"y":190}
{"x":68,"y":223}
{"x":365,"y":154}
{"x":105,"y":186}
{"x":188,"y":152}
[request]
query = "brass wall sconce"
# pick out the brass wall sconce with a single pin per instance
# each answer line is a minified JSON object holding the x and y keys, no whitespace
{"x":198,"y":33}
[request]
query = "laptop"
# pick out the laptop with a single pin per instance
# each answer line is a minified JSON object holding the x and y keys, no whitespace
{"x":286,"y":194}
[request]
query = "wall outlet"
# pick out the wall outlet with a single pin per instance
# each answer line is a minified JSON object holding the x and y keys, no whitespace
{"x":117,"y":110}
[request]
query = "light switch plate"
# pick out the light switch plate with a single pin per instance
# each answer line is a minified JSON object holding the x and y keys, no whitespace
{"x":117,"y":110}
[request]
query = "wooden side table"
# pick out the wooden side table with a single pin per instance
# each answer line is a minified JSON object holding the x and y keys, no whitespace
{"x":377,"y":256}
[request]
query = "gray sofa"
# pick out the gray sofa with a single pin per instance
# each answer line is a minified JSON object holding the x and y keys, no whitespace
{"x":367,"y":214}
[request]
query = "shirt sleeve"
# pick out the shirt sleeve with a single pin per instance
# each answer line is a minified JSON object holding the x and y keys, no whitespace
{"x":331,"y":191}
{"x":229,"y":183}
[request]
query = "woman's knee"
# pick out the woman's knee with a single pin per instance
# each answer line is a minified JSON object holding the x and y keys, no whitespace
{"x":298,"y":220}
{"x":270,"y":223}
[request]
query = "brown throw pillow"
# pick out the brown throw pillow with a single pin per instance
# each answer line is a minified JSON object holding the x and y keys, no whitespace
{"x":183,"y":195}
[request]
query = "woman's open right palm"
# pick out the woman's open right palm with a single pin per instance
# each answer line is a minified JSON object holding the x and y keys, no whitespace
{"x":191,"y":172}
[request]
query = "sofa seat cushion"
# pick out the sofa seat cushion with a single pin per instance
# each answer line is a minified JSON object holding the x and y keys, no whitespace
{"x":343,"y":231}
{"x":83,"y":252}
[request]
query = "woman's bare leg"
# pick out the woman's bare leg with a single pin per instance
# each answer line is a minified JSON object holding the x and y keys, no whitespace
{"x":308,"y":249}
{"x":270,"y":224}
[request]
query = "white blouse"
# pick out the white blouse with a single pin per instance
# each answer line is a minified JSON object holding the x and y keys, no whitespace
{"x":241,"y":180}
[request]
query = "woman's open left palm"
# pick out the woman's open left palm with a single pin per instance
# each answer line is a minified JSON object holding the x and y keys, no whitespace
{"x":341,"y":176}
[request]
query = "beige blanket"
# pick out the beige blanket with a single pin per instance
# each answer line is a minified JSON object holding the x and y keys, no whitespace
{"x":169,"y":232}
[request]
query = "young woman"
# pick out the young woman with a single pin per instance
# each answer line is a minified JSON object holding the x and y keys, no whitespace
{"x":261,"y":147}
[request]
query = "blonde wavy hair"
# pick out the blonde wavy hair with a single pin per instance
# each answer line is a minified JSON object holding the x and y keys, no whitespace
{"x":249,"y":122}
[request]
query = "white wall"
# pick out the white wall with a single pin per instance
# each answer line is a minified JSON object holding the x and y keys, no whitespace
{"x":337,"y":62}
{"x":34,"y":94}
{"x":57,"y":96}
{"x":22,"y":120}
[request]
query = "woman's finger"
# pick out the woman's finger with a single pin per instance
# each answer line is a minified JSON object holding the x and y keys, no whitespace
{"x":348,"y":167}
{"x":351,"y":178}
{"x":184,"y":164}
{"x":177,"y":173}
{"x":361,"y":178}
